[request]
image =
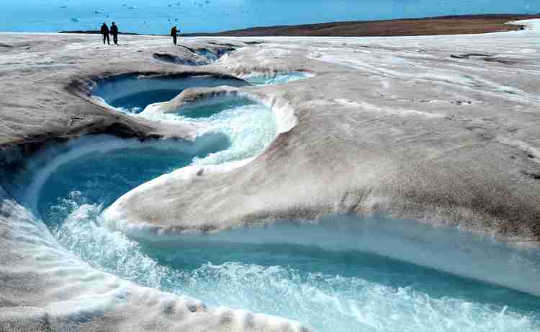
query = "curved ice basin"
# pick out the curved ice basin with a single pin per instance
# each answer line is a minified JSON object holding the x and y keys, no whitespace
{"x":99,"y":169}
{"x":133,"y":92}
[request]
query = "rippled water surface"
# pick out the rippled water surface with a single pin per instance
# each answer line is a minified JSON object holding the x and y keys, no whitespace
{"x":218,"y":15}
{"x":284,"y":270}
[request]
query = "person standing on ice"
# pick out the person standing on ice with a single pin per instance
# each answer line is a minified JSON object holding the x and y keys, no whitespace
{"x":114,"y":33}
{"x":174,"y":34}
{"x":105,"y":33}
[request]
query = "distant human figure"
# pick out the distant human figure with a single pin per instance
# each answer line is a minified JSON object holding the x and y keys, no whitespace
{"x":105,"y":33}
{"x":174,"y":33}
{"x":114,"y":33}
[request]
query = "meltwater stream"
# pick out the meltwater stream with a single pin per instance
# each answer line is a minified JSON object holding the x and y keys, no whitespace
{"x":337,"y":274}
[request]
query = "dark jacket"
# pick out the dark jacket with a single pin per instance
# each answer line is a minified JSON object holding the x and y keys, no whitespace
{"x":174,"y":31}
{"x":104,"y":29}
{"x":114,"y":29}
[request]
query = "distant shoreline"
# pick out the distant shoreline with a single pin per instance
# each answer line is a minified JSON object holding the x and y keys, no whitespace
{"x":440,"y":25}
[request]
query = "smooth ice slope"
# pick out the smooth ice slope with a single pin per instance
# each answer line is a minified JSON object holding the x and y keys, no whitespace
{"x":414,"y":127}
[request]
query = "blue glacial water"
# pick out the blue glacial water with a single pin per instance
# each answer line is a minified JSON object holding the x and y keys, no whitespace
{"x":214,"y":106}
{"x":218,"y":15}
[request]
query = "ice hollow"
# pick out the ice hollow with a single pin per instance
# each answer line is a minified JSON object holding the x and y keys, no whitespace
{"x":214,"y":54}
{"x":193,"y":60}
{"x":198,"y":56}
{"x":133,"y":92}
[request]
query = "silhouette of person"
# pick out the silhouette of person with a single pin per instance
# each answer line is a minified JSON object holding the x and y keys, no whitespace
{"x":105,"y":33}
{"x":174,"y":33}
{"x":114,"y":33}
